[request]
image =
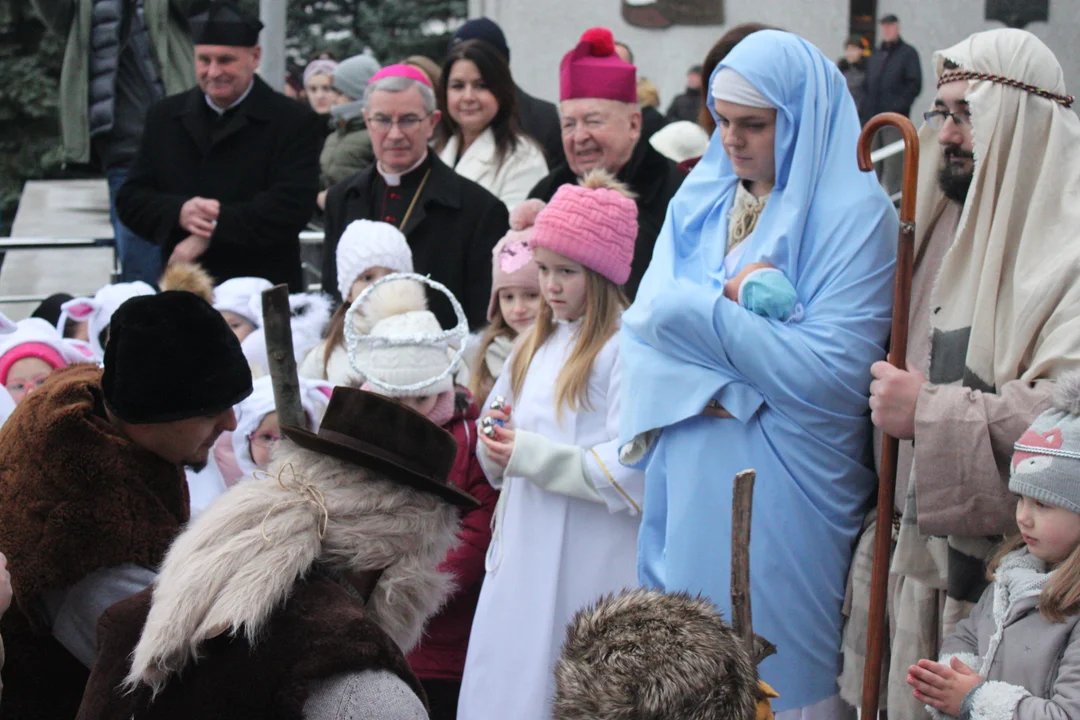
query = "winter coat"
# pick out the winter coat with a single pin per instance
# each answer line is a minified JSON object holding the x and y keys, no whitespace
{"x":441,"y":652}
{"x":321,"y":632}
{"x":1035,"y":670}
{"x":262,"y":165}
{"x":855,"y":74}
{"x":651,"y":121}
{"x":893,"y":80}
{"x":649,"y":174}
{"x":509,"y":181}
{"x":540,"y":121}
{"x":76,"y":496}
{"x":685,"y":106}
{"x":346,"y":152}
{"x":451,"y":232}
{"x":167,"y":26}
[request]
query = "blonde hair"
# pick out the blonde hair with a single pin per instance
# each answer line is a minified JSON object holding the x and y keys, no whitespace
{"x":482,"y":380}
{"x":1060,"y":598}
{"x":604,"y":305}
{"x":647,"y":94}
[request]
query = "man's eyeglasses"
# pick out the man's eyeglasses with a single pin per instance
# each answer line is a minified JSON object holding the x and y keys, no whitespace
{"x":936,"y":118}
{"x":406,"y":124}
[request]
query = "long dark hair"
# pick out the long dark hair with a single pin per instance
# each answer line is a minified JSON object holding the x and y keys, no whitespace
{"x":506,"y":125}
{"x":716,"y":54}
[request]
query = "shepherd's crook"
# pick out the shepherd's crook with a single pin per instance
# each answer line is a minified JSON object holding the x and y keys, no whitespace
{"x":905,"y":254}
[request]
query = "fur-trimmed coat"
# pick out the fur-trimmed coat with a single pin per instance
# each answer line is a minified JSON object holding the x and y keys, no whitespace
{"x":1031,"y":665}
{"x":319,"y":633}
{"x":441,"y":652}
{"x":75,"y":496}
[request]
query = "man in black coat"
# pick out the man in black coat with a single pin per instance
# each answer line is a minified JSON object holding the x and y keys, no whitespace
{"x":687,"y":105}
{"x":539,"y":118}
{"x":893,"y":81}
{"x":602,"y":129}
{"x":227,"y":172}
{"x":451,"y":223}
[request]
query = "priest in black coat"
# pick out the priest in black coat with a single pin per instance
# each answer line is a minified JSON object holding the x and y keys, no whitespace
{"x":601,"y":128}
{"x":450,"y":222}
{"x":227,"y":172}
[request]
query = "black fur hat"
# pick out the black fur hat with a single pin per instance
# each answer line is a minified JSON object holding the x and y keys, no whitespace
{"x":646,"y":654}
{"x":171,"y":356}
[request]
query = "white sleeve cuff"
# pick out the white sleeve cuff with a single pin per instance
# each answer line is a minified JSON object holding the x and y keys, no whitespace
{"x":995,"y":700}
{"x":553,"y":466}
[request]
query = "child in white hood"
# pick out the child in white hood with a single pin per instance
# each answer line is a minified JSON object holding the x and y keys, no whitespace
{"x":30,"y":351}
{"x":97,"y":311}
{"x":234,"y":300}
{"x":367,"y":251}
{"x":248,"y":448}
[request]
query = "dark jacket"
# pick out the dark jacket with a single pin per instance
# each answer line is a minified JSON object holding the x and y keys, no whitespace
{"x":451,"y":232}
{"x":261,"y":161}
{"x":76,"y":496}
{"x":540,"y":121}
{"x":169,"y":35}
{"x":685,"y":106}
{"x":893,"y":80}
{"x":651,"y":121}
{"x":654,"y":178}
{"x":855,"y":74}
{"x":441,"y":652}
{"x":320,"y":632}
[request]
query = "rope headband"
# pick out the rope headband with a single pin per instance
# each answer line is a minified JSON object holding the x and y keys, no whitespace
{"x":954,"y":75}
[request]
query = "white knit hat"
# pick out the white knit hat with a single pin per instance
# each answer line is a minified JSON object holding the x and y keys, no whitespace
{"x":366,"y":244}
{"x":314,"y":396}
{"x":97,"y":311}
{"x":397,"y":344}
{"x":680,"y":140}
{"x":236,"y":296}
{"x":411,"y":364}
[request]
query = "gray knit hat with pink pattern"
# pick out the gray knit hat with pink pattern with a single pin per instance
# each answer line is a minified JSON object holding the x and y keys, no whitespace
{"x":1046,"y":459}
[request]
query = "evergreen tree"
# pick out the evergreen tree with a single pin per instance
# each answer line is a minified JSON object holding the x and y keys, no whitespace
{"x":391,"y":29}
{"x":30,"y":60}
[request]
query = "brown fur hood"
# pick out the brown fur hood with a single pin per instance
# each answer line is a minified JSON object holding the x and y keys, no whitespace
{"x":646,"y":654}
{"x":75,"y":494}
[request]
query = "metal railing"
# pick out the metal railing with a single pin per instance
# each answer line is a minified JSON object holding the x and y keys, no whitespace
{"x":882,"y":154}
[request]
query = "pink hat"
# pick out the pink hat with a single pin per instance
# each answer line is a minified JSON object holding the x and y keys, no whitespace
{"x":593,"y":70}
{"x":593,"y":224}
{"x":38,"y":350}
{"x":400,"y":70}
{"x":512,"y":263}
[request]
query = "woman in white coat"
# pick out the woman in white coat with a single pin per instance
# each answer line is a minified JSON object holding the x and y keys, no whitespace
{"x":479,"y":134}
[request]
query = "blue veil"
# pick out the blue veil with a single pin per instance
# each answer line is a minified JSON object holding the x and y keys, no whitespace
{"x":798,"y":391}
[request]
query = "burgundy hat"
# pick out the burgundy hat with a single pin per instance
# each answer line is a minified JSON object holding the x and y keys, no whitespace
{"x":378,"y":433}
{"x":593,"y":70}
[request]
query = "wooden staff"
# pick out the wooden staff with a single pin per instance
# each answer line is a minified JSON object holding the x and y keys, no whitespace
{"x":742,"y":505}
{"x":905,"y":255}
{"x":277,"y":326}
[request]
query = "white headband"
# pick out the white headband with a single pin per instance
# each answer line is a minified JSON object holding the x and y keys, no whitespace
{"x":729,"y":86}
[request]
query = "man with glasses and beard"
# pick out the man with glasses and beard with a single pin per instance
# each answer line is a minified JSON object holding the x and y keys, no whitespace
{"x":451,"y":223}
{"x":995,"y":321}
{"x":92,"y":485}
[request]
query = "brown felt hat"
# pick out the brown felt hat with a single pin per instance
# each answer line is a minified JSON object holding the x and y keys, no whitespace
{"x":377,"y":433}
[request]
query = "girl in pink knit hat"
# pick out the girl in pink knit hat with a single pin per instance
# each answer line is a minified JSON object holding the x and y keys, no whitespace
{"x":515,"y":299}
{"x":565,"y":530}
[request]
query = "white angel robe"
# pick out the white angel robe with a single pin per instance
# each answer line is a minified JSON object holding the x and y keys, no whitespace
{"x":551,"y":553}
